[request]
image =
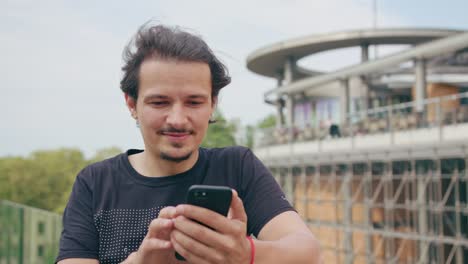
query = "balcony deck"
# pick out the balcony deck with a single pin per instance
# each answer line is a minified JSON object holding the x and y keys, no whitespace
{"x":387,"y":128}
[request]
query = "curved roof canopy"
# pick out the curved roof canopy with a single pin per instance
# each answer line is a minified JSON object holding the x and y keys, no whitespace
{"x":270,"y":60}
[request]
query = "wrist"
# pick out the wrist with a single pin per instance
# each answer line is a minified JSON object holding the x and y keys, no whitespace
{"x":252,"y":249}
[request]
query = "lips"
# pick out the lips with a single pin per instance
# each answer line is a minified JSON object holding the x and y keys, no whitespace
{"x":176,"y":136}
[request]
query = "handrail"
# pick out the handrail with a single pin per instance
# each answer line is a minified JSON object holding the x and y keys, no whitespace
{"x":376,"y":120}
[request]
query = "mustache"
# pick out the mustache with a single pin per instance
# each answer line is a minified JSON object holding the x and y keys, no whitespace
{"x":176,"y":130}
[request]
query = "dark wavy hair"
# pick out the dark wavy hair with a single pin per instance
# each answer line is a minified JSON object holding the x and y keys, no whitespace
{"x":169,"y":43}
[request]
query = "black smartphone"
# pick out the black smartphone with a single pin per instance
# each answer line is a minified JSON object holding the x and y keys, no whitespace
{"x":215,"y":198}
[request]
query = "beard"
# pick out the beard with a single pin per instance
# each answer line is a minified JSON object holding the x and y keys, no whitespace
{"x":178,"y":159}
{"x":168,"y":157}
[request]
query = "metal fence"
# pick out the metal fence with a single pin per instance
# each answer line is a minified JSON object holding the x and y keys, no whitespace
{"x":28,"y":235}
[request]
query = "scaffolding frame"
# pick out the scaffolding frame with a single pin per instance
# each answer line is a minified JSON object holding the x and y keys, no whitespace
{"x":401,"y":205}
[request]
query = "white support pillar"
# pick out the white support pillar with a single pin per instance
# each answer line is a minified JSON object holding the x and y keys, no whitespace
{"x":364,"y":93}
{"x":364,"y":52}
{"x":422,"y":215}
{"x":279,"y":79}
{"x":365,"y":86}
{"x":289,"y":109}
{"x":279,"y":113}
{"x":367,"y":189}
{"x":289,"y":65}
{"x":347,"y":99}
{"x":279,"y":102}
{"x":348,"y":215}
{"x":420,"y":84}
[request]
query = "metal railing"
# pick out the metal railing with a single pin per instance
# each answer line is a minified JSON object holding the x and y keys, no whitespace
{"x":27,"y":234}
{"x":436,"y":112}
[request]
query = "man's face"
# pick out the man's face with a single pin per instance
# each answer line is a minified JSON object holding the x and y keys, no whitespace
{"x":173,"y":107}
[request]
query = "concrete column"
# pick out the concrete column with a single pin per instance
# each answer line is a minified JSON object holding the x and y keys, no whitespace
{"x":365,"y":87}
{"x":348,"y":215}
{"x":279,"y":113}
{"x":420,"y":84}
{"x":367,"y":189}
{"x":364,"y":52}
{"x":290,"y":110}
{"x":288,"y":70}
{"x":422,"y":215}
{"x":347,"y":99}
{"x":279,"y":80}
{"x":458,"y":216}
{"x":279,"y":102}
{"x":364,"y":94}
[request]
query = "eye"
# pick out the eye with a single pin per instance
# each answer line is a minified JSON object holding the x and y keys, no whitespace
{"x":195,"y":103}
{"x":159,"y":103}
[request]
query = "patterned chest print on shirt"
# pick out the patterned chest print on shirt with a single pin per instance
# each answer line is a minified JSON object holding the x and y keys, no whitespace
{"x":121,"y":231}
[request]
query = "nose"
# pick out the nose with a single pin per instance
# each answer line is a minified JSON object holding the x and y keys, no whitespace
{"x":177,"y":117}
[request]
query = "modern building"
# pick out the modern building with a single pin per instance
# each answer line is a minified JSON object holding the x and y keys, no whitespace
{"x":374,"y":155}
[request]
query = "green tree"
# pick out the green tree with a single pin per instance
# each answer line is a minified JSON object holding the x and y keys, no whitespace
{"x":105,"y":153}
{"x":267,"y":122}
{"x":249,"y":136}
{"x":221,"y":133}
{"x":43,"y":179}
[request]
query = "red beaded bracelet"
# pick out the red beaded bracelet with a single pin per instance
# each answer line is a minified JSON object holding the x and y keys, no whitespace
{"x":252,"y":249}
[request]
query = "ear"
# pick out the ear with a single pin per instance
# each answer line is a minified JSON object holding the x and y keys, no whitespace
{"x":214,"y":103}
{"x":131,"y":104}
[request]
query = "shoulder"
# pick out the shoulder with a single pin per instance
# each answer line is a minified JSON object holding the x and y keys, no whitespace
{"x":235,"y":153}
{"x":99,"y":169}
{"x":105,"y":164}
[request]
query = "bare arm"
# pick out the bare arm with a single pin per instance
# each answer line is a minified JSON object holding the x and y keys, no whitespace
{"x":286,"y":239}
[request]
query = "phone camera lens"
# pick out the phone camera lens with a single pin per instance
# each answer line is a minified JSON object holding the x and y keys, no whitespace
{"x":204,"y":193}
{"x":196,"y":194}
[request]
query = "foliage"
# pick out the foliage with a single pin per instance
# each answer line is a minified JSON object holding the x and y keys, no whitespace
{"x":105,"y":153}
{"x":249,"y":136}
{"x":268,"y":122}
{"x":44,"y":179}
{"x":221,"y":133}
{"x":41,"y":179}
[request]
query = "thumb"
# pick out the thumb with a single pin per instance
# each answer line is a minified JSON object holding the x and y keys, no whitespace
{"x":237,"y":210}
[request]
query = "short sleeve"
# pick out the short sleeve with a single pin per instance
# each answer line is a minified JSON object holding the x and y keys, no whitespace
{"x":262,"y":196}
{"x":79,"y":237}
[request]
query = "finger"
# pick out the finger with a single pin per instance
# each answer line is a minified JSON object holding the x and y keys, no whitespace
{"x":205,"y":216}
{"x":151,"y":244}
{"x":130,"y":259}
{"x":199,"y":232}
{"x":237,"y":208}
{"x":160,"y":228}
{"x":168,"y":212}
{"x":193,"y":249}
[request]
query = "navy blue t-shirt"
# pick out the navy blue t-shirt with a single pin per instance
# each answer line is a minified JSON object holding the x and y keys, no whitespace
{"x":112,"y":205}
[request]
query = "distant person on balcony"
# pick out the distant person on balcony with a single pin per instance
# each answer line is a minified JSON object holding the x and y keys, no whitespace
{"x":335,"y":131}
{"x":130,"y":208}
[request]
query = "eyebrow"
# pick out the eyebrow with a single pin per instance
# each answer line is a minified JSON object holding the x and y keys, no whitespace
{"x":160,"y":96}
{"x":155,"y":96}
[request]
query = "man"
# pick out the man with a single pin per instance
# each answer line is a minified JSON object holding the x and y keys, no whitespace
{"x":130,"y":208}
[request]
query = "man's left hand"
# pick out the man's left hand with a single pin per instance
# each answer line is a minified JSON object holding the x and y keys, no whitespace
{"x":226,"y":243}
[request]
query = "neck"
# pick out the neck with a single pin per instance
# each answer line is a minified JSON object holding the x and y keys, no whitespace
{"x":152,"y":165}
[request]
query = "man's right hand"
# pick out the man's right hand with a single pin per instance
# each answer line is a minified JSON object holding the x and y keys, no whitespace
{"x":156,"y":246}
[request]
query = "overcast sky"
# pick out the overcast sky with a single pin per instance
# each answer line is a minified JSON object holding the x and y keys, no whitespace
{"x":60,"y":61}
